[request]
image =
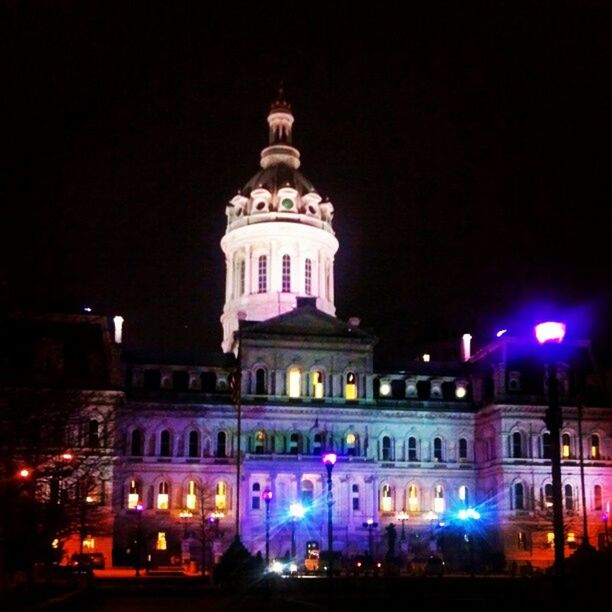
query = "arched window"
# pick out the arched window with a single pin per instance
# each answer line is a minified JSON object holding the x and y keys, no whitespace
{"x":569,"y":497}
{"x":294,"y":444}
{"x":437,"y":449}
{"x":136,"y":443}
{"x":386,"y":453}
{"x":464,"y":495}
{"x":93,"y":433}
{"x":194,"y":444}
{"x":260,"y":381}
{"x":517,"y":445}
{"x":308,"y":277}
{"x":548,"y":496}
{"x":259,"y":442}
{"x":412,"y":449}
{"x":221,"y":496}
{"x":546,"y":445}
{"x":221,"y":444}
{"x":350,"y":388}
{"x":162,"y":496}
{"x":519,"y":496}
{"x":462,"y":449}
{"x":386,"y":498}
{"x":294,"y":382}
{"x":597,"y":498}
{"x":286,"y":274}
{"x":317,"y":444}
{"x":133,"y":494}
{"x":565,"y":446}
{"x":438,"y":505}
{"x":351,"y":444}
{"x":595,"y":447}
{"x":307,"y":493}
{"x":413,"y":498}
{"x":255,"y":496}
{"x":317,"y":384}
{"x":164,"y":443}
{"x":191,"y":497}
{"x":355,"y":497}
{"x":262,"y":274}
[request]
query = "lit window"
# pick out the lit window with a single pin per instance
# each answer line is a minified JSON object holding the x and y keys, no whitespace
{"x":438,"y":506}
{"x":355,"y":494}
{"x":133,"y":495}
{"x":350,"y":389}
{"x":260,"y":442}
{"x":519,"y":497}
{"x":221,"y":497}
{"x":256,"y":496}
{"x":571,"y":540}
{"x":317,"y":384}
{"x":413,"y":498}
{"x":162,"y":496}
{"x":295,"y":382}
{"x":161,"y":543}
{"x":550,"y":539}
{"x":262,"y":274}
{"x":191,"y":499}
{"x":597,"y":498}
{"x":351,"y":444}
{"x":286,"y":274}
{"x":463,"y":494}
{"x":89,"y":543}
{"x":595,"y":446}
{"x":565,"y":446}
{"x":308,"y":277}
{"x":386,"y":498}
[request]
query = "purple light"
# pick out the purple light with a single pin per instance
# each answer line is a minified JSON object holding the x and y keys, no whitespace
{"x":330,"y":458}
{"x":267,"y":495}
{"x":501,"y":332}
{"x":550,"y":331}
{"x":139,"y":507}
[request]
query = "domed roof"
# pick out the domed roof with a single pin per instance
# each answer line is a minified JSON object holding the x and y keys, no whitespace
{"x":277,"y":176}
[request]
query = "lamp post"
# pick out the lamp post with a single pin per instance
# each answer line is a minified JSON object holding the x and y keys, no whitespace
{"x":403,"y":516}
{"x":550,"y":335}
{"x":296,"y":512}
{"x":138,"y":509}
{"x":469,"y":515}
{"x":267,"y":495}
{"x":585,"y":533}
{"x":214,"y":519}
{"x":329,"y":460}
{"x":370,"y":525}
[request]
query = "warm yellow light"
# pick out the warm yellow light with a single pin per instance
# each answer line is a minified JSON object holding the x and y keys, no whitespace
{"x":571,"y":537}
{"x":161,"y":543}
{"x":350,"y":389}
{"x":133,"y":499}
{"x":24,"y":473}
{"x":385,"y":388}
{"x":55,"y":543}
{"x":566,"y":451}
{"x":460,"y":392}
{"x":162,"y":501}
{"x":350,"y":438}
{"x":295,"y":380}
{"x":426,"y":357}
{"x":386,"y":502}
{"x":191,"y":501}
{"x":550,"y":538}
{"x":67,"y":456}
{"x":413,"y":498}
{"x":89,"y":499}
{"x":89,"y":543}
{"x":438,"y":504}
{"x":317,"y":385}
{"x":220,"y":497}
{"x":594,"y":452}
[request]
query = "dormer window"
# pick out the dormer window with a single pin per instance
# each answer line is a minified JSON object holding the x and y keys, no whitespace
{"x":287,"y":204}
{"x":350,"y":387}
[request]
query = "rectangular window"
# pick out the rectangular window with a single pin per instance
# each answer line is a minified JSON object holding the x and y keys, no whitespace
{"x":571,"y":540}
{"x":522,"y":542}
{"x":161,"y":543}
{"x":550,"y":539}
{"x":89,"y":543}
{"x":413,"y":499}
{"x":133,"y":496}
{"x":191,"y":500}
{"x":438,"y":500}
{"x":220,"y":497}
{"x":295,"y":382}
{"x":308,"y":277}
{"x":262,"y":272}
{"x":317,"y":385}
{"x":286,"y":274}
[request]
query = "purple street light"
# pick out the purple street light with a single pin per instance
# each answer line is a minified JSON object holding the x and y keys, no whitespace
{"x":329,"y":459}
{"x":267,"y":496}
{"x":550,"y":331}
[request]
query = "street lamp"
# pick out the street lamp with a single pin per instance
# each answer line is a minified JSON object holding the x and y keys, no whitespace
{"x":267,"y":495}
{"x":296,"y":512}
{"x":370,"y":525}
{"x":329,"y":460}
{"x":550,"y":334}
{"x":468,"y":516}
{"x":139,"y":509}
{"x":403,"y":516}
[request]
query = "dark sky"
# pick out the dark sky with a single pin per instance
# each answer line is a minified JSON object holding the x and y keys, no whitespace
{"x":466,"y":148}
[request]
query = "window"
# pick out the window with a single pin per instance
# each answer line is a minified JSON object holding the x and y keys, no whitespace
{"x":351,"y":444}
{"x":522,"y":540}
{"x":413,"y":498}
{"x":350,"y":388}
{"x":255,"y":496}
{"x":136,"y":443}
{"x":262,"y":274}
{"x":548,"y":496}
{"x":194,"y":444}
{"x":317,"y":384}
{"x":221,"y":497}
{"x":241,"y":277}
{"x":308,"y":277}
{"x":317,"y":444}
{"x":386,"y":498}
{"x":437,"y":449}
{"x":133,"y":495}
{"x":595,"y":447}
{"x":307,"y":493}
{"x":438,"y":505}
{"x":355,"y":497}
{"x":191,"y":499}
{"x":208,"y":380}
{"x":550,"y":539}
{"x":93,"y":433}
{"x":295,"y":382}
{"x":286,"y":274}
{"x":88,"y":543}
{"x":463,"y":495}
{"x":386,"y":448}
{"x":569,"y":497}
{"x":162,"y":496}
{"x":180,"y":380}
{"x":412,"y":449}
{"x":152,"y":379}
{"x":519,"y":496}
{"x":597,"y":498}
{"x":260,"y":381}
{"x":221,"y":444}
{"x":462,"y":449}
{"x":571,"y":540}
{"x":260,"y":442}
{"x":546,"y":446}
{"x":164,"y":443}
{"x":294,"y":444}
{"x":517,"y":446}
{"x":161,"y":542}
{"x":565,"y":446}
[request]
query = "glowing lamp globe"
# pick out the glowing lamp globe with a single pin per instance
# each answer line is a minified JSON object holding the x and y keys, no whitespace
{"x":24,"y":473}
{"x":330,"y":458}
{"x":297,"y":511}
{"x":138,"y":508}
{"x":550,"y":331}
{"x":267,"y":495}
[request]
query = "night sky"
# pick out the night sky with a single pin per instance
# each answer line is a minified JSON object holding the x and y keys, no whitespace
{"x":466,"y":148}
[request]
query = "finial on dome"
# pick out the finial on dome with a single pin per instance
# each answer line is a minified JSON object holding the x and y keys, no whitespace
{"x":280,"y":104}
